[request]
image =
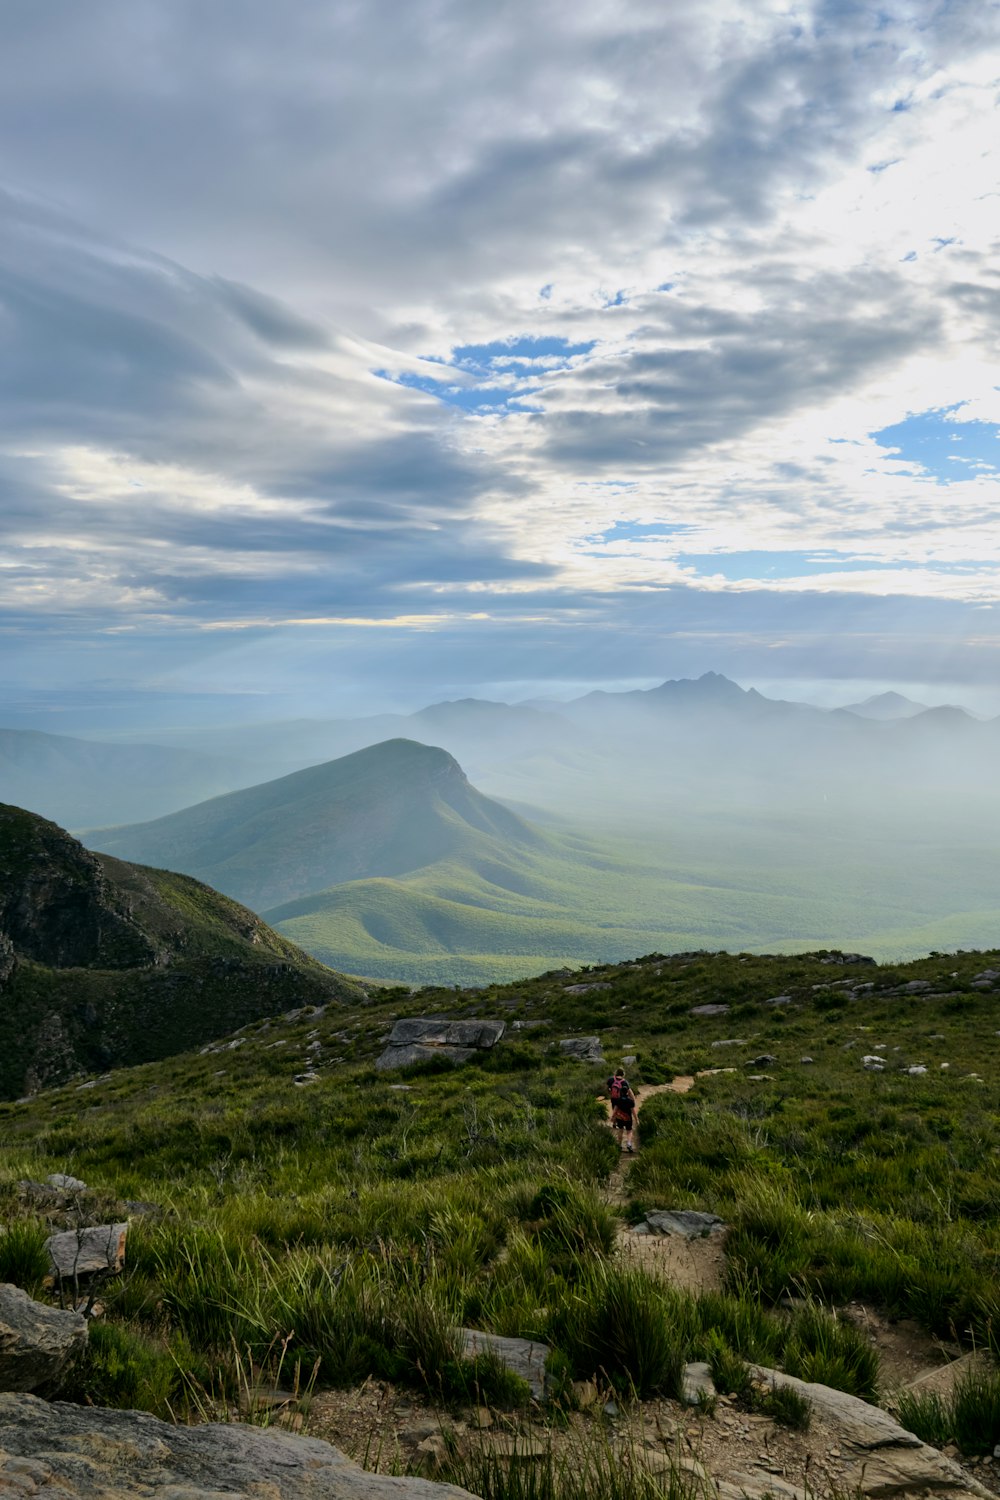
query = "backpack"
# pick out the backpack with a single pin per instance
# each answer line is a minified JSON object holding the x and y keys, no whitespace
{"x":621,"y":1094}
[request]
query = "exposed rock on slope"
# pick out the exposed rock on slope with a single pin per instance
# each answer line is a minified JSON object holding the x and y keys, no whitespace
{"x":104,"y":964}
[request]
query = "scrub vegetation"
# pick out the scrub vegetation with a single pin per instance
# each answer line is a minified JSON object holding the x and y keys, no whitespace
{"x":348,"y":1226}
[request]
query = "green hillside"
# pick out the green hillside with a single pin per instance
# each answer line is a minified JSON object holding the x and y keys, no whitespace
{"x":103,"y":963}
{"x":848,"y":1132}
{"x":385,"y":810}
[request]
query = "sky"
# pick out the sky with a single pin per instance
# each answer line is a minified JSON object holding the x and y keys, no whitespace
{"x":357,"y":355}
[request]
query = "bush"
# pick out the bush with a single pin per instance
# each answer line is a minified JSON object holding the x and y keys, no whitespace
{"x":823,"y":1349}
{"x":24,"y":1260}
{"x":626,"y":1327}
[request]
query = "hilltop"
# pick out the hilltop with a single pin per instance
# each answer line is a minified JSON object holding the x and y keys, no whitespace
{"x":104,"y":963}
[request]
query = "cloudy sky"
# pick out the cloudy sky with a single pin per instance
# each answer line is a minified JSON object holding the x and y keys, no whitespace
{"x":359,"y":354}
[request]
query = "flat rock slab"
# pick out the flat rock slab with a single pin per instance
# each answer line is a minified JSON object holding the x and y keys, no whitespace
{"x":709,"y":1010}
{"x":688,"y":1222}
{"x":524,"y":1357}
{"x":87,"y":1453}
{"x":884,"y":1458}
{"x":37,"y":1342}
{"x":443,"y":1033}
{"x":582,"y":1048}
{"x":85,"y":1252}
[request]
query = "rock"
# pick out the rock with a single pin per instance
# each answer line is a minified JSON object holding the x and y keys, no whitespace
{"x":709,"y":1010}
{"x":885,"y":1459}
{"x":586,"y":1394}
{"x":697,"y":1385}
{"x":66,"y":1184}
{"x":85,"y":1252}
{"x":630,"y":1061}
{"x":582,"y":1049}
{"x":426,"y":1039}
{"x":779,"y":1000}
{"x":917,"y":1070}
{"x":514,"y":1447}
{"x":524,"y":1357}
{"x":732,"y":1041}
{"x":917,"y":987}
{"x":988,"y":976}
{"x":805,"y":1060}
{"x":37,"y":1343}
{"x":688,"y":1222}
{"x":848,"y":958}
{"x":528,"y":1025}
{"x":443,"y":1033}
{"x":81,"y":1453}
{"x":765,"y":1060}
{"x":873,"y":1064}
{"x":583,"y":989}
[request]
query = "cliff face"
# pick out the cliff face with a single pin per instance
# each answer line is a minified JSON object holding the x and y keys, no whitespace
{"x":104,"y":964}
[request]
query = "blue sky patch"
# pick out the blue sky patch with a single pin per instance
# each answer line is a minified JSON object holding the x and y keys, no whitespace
{"x":943,"y":447}
{"x":505,"y":373}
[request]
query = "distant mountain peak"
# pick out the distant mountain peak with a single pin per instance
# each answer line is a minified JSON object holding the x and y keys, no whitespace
{"x":891,"y":705}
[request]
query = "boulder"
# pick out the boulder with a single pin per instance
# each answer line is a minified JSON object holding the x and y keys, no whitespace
{"x":690,"y":1223}
{"x":63,"y":1183}
{"x":524,"y":1357}
{"x":87,"y":1252}
{"x":429,"y":1038}
{"x":435,"y":1032}
{"x":765,"y":1060}
{"x":87,"y":1453}
{"x":709,"y":1010}
{"x":37,"y":1343}
{"x":582,"y":1049}
{"x":883,"y":1458}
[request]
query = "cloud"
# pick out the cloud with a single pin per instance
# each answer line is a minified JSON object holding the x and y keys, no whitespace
{"x":623,"y":267}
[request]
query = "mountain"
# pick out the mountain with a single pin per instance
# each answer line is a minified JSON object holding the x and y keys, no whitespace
{"x":383,"y":811}
{"x":885,"y":706}
{"x":104,"y":963}
{"x":80,"y":782}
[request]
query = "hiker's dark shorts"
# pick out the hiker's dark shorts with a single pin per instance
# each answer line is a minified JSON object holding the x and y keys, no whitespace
{"x":621,"y":1119}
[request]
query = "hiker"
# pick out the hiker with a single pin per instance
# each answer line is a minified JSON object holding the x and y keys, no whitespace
{"x":622,"y":1107}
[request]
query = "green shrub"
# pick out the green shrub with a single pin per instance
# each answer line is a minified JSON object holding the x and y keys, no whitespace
{"x":787,"y":1406}
{"x":128,"y":1368}
{"x":827,"y":1351}
{"x":927,"y":1416}
{"x":24,"y":1260}
{"x":622,"y":1325}
{"x":975,"y":1409}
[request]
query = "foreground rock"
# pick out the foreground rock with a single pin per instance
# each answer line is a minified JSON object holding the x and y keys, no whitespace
{"x":881,"y":1457}
{"x":37,"y":1343}
{"x":91,"y":1454}
{"x":429,"y":1039}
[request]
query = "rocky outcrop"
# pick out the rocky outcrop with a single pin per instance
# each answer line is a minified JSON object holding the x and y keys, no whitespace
{"x":37,"y":1343}
{"x":428,"y":1039}
{"x":881,"y":1457}
{"x":582,"y":1049}
{"x":92,"y":1454}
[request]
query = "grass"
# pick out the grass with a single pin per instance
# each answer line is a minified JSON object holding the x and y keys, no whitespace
{"x":357,"y":1223}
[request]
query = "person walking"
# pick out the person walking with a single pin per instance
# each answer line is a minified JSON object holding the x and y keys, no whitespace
{"x":622,"y":1107}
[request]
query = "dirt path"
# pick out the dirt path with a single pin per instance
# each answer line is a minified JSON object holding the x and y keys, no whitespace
{"x":694,"y":1265}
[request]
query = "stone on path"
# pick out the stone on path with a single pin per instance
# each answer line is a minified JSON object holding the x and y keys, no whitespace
{"x":81,"y":1453}
{"x":37,"y":1342}
{"x":688,"y":1222}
